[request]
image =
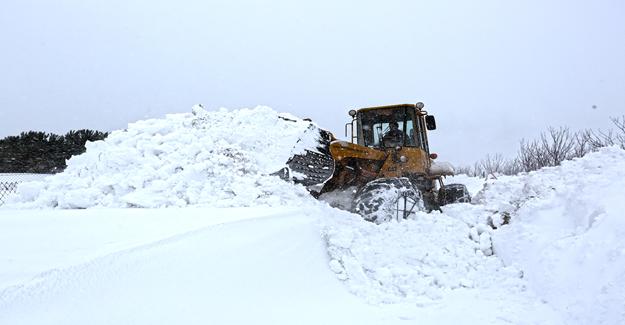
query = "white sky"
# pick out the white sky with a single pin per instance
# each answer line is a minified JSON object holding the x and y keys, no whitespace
{"x":492,"y":72}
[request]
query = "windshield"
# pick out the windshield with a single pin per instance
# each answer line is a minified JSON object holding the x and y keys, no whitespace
{"x":389,"y":128}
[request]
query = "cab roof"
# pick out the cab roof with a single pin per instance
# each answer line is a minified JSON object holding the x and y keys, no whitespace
{"x":396,"y":106}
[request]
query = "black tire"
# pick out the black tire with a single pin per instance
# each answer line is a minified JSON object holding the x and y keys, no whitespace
{"x":387,"y":199}
{"x":454,"y":193}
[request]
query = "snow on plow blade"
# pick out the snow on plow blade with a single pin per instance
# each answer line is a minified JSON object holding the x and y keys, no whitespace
{"x":311,"y":169}
{"x":311,"y":163}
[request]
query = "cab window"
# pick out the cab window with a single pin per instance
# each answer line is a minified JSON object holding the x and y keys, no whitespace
{"x":375,"y":125}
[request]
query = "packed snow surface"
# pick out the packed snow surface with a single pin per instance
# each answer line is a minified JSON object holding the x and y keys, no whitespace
{"x":545,"y":247}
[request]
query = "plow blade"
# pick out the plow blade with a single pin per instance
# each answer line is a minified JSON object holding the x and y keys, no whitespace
{"x":312,"y":164}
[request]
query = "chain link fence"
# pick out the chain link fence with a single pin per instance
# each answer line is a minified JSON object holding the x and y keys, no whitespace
{"x":6,"y":189}
{"x":9,"y":183}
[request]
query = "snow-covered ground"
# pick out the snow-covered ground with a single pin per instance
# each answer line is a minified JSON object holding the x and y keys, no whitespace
{"x":222,"y":241}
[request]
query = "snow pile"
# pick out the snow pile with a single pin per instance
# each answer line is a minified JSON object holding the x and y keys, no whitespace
{"x":414,"y":260}
{"x":566,"y":232}
{"x":554,"y":238}
{"x":218,"y":158}
{"x":421,"y":259}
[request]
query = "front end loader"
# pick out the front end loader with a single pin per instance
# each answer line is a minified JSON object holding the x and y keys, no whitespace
{"x":387,"y":164}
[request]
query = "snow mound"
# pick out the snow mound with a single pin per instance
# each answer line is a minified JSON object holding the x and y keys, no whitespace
{"x":414,"y":260}
{"x":554,"y":236}
{"x":213,"y":158}
{"x":566,"y":230}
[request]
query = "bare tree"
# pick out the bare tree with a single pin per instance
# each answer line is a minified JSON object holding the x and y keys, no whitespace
{"x":619,"y":137}
{"x":582,"y":143}
{"x":511,"y":167}
{"x":492,"y":165}
{"x":478,"y":170}
{"x":531,"y":156}
{"x":557,"y":145}
{"x":553,"y":147}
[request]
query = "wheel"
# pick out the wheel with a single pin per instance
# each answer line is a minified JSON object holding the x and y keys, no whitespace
{"x":386,"y":199}
{"x":454,"y":193}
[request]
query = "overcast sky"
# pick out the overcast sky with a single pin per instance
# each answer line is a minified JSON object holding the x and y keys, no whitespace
{"x":492,"y":72}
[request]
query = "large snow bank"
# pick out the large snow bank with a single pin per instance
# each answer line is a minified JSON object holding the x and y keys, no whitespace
{"x":414,"y":259}
{"x":214,"y":158}
{"x":437,"y":262}
{"x":566,"y":232}
{"x":553,"y":239}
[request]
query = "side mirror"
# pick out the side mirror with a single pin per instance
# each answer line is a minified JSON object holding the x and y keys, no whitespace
{"x":430,"y":122}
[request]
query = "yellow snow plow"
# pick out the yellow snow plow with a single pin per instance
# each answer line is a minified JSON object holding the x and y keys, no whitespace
{"x":386,"y":165}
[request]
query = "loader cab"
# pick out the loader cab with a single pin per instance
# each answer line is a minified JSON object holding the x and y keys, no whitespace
{"x":373,"y":126}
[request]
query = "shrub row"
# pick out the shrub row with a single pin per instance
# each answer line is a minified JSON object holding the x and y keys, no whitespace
{"x":40,"y":152}
{"x":550,"y":149}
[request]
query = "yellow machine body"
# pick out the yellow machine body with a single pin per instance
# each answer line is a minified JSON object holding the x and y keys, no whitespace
{"x":368,"y":156}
